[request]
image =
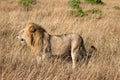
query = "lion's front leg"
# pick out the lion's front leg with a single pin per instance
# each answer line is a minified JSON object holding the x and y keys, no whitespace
{"x":44,"y":57}
{"x":38,"y":61}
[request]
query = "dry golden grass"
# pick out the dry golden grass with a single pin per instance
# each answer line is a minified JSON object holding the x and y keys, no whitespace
{"x":17,"y":63}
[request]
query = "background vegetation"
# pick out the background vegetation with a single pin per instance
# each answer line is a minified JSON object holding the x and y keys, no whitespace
{"x":27,"y":3}
{"x":94,"y":1}
{"x":100,"y":30}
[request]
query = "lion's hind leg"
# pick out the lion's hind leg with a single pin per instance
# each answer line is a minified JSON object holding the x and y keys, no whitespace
{"x":74,"y":54}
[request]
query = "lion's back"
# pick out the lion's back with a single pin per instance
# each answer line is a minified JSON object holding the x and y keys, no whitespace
{"x":62,"y":44}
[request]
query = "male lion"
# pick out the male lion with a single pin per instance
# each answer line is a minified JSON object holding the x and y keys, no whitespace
{"x":44,"y":44}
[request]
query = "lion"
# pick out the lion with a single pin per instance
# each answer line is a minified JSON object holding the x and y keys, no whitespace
{"x":44,"y":45}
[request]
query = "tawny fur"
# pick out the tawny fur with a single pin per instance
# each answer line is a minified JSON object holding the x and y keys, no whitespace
{"x":44,"y":44}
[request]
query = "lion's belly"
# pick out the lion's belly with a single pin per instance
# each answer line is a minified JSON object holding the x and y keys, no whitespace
{"x":60,"y":45}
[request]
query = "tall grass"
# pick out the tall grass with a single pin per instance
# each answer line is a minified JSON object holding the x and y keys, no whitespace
{"x":17,"y":62}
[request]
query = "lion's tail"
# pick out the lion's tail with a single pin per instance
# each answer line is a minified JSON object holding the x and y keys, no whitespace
{"x":90,"y":53}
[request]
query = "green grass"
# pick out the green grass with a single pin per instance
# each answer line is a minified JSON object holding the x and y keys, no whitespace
{"x":76,"y":9}
{"x":117,"y":7}
{"x":78,"y":12}
{"x":94,"y":1}
{"x":96,"y":11}
{"x":27,"y":3}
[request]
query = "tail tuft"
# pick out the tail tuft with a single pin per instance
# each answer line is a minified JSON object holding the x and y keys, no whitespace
{"x":90,"y":53}
{"x":93,"y":48}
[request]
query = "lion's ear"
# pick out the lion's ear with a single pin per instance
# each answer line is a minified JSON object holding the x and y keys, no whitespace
{"x":32,"y":29}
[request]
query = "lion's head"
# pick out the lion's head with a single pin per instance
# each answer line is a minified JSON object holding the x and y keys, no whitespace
{"x":31,"y":35}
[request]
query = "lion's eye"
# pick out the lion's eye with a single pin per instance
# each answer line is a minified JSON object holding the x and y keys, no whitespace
{"x":22,"y":39}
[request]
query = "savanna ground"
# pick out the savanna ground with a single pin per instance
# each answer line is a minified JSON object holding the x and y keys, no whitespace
{"x":100,"y":30}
